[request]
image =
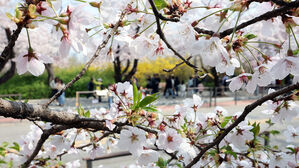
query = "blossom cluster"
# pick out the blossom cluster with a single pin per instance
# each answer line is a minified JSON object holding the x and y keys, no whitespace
{"x":81,"y":28}
{"x":153,"y":138}
{"x":254,"y":56}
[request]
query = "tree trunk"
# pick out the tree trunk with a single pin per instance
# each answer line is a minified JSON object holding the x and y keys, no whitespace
{"x":121,"y":76}
{"x":50,"y":71}
{"x":11,"y":72}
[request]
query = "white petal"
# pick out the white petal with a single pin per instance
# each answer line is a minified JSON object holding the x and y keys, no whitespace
{"x":45,"y":59}
{"x":21,"y":64}
{"x":35,"y":67}
{"x":64,"y":47}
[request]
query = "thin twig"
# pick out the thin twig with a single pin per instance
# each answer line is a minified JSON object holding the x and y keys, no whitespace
{"x":163,"y":38}
{"x":241,"y":118}
{"x":96,"y":54}
{"x":177,"y":65}
{"x":41,"y":141}
{"x":265,"y":16}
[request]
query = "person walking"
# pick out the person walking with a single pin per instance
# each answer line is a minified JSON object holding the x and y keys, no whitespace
{"x":170,"y":87}
{"x":90,"y":87}
{"x":99,"y":86}
{"x":155,"y":83}
{"x":53,"y":86}
{"x":61,"y":99}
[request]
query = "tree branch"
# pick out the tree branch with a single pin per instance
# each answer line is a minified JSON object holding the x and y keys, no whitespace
{"x":162,"y":36}
{"x":133,"y":71}
{"x":265,"y":16}
{"x":277,"y":2}
{"x":160,"y":16}
{"x":127,"y":67}
{"x":46,"y":134}
{"x":19,"y":110}
{"x":241,"y":118}
{"x":96,"y":54}
{"x":14,"y":37}
{"x":177,"y":65}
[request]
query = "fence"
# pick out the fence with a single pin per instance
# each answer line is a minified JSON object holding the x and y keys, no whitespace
{"x":210,"y":94}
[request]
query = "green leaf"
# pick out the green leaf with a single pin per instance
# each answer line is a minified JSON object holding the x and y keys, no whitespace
{"x":225,"y":121}
{"x":139,"y":97}
{"x":256,"y":129}
{"x":135,"y":94}
{"x":291,"y":149}
{"x":295,"y":52}
{"x":179,"y":165}
{"x":4,"y":144}
{"x":250,"y":36}
{"x":230,"y":152}
{"x":150,"y":109}
{"x":15,"y":147}
{"x":274,"y":132}
{"x":10,"y":164}
{"x":2,"y":162}
{"x":269,"y":122}
{"x":87,"y":114}
{"x":148,"y":100}
{"x":80,"y":111}
{"x":160,"y":4}
{"x":161,"y":163}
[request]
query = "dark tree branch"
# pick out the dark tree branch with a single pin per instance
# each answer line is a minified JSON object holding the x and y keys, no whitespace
{"x":87,"y":65}
{"x":241,"y":118}
{"x":10,"y":52}
{"x":13,"y":38}
{"x":160,"y":16}
{"x":12,"y":70}
{"x":50,"y":71}
{"x":9,"y":74}
{"x":117,"y":70}
{"x":277,"y":2}
{"x":177,"y":65}
{"x":127,"y":66}
{"x":133,"y":71}
{"x":162,"y":36}
{"x":265,"y":16}
{"x":45,"y":135}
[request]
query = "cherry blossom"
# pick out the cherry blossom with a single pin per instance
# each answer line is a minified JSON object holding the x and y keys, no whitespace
{"x":133,"y":140}
{"x":291,"y":134}
{"x":169,"y":140}
{"x":147,"y":157}
{"x":237,"y":82}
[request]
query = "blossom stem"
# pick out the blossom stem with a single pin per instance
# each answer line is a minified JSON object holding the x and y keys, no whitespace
{"x":261,"y":42}
{"x":211,"y":14}
{"x":235,"y":28}
{"x":251,"y":54}
{"x":51,"y":18}
{"x":289,"y":40}
{"x":226,"y":19}
{"x":29,"y":43}
{"x":294,"y":36}
{"x":147,"y":27}
{"x":95,"y":33}
{"x":255,"y":49}
{"x":250,"y":66}
{"x":196,"y":7}
{"x":241,"y":65}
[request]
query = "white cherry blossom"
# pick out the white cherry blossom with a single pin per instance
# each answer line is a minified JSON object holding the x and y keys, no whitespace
{"x":133,"y":140}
